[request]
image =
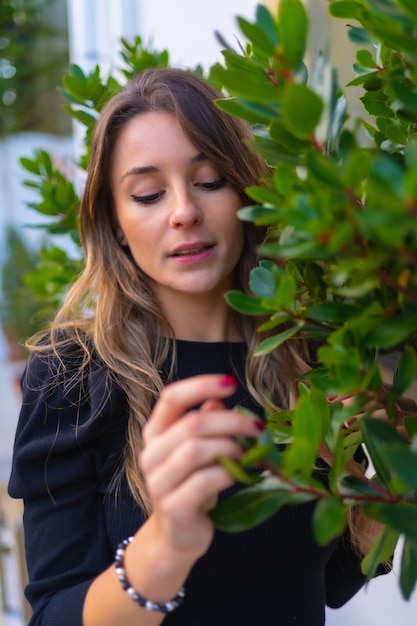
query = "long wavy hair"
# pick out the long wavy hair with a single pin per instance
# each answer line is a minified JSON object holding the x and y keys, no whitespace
{"x":110,"y":311}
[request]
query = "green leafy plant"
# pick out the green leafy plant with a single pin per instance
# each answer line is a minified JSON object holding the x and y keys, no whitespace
{"x":19,"y":308}
{"x":341,"y":260}
{"x":342,"y":269}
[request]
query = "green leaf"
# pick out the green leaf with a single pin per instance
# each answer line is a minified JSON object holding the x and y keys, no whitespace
{"x":407,"y":96}
{"x":236,"y":470}
{"x":77,"y":71}
{"x":279,"y":133}
{"x":264,"y":449}
{"x":392,"y":332}
{"x":286,"y":293}
{"x":293,"y":27}
{"x":406,"y":371}
{"x":403,"y":462}
{"x":273,"y":153}
{"x":82,"y":116}
{"x":365,"y":59}
{"x":409,"y":7}
{"x":244,"y":303}
{"x":376,"y":104}
{"x":410,"y":425}
{"x":300,"y":456}
{"x":46,"y":161}
{"x":268,"y":345}
{"x":360,"y":36}
{"x":249,"y":87}
{"x":411,"y":154}
{"x":258,"y":36}
{"x":252,"y":112}
{"x":408,"y":574}
{"x":401,"y":517}
{"x":335,"y":442}
{"x":77,"y":87}
{"x":363,"y":78}
{"x":324,"y":169}
{"x":31,"y":165}
{"x":376,"y":433}
{"x":333,"y":312}
{"x":262,"y":283}
{"x":280,"y":430}
{"x":353,"y":485}
{"x":248,"y":508}
{"x":267,"y":23}
{"x":346,"y":9}
{"x":263,"y":216}
{"x":301,"y":110}
{"x":382,"y":550}
{"x":276,"y":319}
{"x":328,"y":520}
{"x":396,"y":134}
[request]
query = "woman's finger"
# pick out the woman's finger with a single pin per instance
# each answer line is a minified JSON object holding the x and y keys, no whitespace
{"x":181,"y":396}
{"x":198,"y":425}
{"x":187,"y":459}
{"x":194,"y":496}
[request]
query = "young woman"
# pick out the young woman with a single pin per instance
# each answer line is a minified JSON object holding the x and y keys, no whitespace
{"x":128,"y":401}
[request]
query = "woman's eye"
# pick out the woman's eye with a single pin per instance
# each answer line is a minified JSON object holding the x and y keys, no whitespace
{"x":147,"y":199}
{"x":213,"y":184}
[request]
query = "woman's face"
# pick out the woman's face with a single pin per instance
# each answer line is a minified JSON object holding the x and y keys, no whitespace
{"x":174,"y":210}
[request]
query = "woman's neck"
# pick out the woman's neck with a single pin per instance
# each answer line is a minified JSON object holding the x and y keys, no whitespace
{"x":201,"y":319}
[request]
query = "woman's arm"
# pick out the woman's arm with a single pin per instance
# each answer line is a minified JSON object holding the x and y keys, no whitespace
{"x":69,"y":437}
{"x":183,"y":478}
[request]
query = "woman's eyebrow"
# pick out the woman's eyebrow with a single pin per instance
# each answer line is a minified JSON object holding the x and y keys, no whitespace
{"x":146,"y":169}
{"x":152,"y":169}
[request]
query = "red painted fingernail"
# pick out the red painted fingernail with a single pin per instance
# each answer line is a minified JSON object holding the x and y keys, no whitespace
{"x":259,"y":425}
{"x":228,"y":381}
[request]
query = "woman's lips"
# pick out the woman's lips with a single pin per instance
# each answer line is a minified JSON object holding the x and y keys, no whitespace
{"x":193,"y":253}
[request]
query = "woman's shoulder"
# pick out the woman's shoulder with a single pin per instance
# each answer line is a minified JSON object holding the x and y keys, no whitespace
{"x":65,"y":373}
{"x":71,"y":408}
{"x":58,"y":358}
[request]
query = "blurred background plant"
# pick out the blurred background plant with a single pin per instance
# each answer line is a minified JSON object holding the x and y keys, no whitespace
{"x":19,"y":304}
{"x":29,"y":102}
{"x":29,"y":73}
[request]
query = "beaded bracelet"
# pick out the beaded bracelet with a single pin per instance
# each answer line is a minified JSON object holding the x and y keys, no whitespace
{"x":146,"y":604}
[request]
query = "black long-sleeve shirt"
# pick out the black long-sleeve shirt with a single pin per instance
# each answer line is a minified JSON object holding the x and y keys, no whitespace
{"x":69,"y":442}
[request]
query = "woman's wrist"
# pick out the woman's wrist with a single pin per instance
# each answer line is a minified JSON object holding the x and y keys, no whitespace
{"x":155,"y":570}
{"x":165,"y":607}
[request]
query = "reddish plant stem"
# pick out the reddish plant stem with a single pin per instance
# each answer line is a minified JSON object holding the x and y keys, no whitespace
{"x":386,"y":278}
{"x":318,"y":493}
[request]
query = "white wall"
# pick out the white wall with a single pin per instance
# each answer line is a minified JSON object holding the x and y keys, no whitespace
{"x":184,"y":27}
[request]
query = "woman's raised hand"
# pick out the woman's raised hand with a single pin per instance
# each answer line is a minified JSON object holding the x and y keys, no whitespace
{"x":188,"y":430}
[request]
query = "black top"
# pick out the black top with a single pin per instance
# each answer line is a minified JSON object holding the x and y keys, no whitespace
{"x":69,"y":441}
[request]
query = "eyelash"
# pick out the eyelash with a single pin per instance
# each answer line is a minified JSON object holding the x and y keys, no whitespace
{"x":154,"y":197}
{"x":146,"y":199}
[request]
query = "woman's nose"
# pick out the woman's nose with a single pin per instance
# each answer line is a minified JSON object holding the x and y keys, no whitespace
{"x":185,"y":210}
